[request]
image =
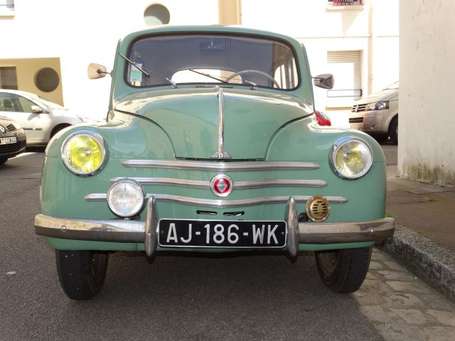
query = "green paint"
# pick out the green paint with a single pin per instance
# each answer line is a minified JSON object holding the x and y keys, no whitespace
{"x":335,"y":246}
{"x":167,"y":123}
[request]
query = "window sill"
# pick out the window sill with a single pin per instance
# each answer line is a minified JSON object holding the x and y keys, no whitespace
{"x":345,"y":8}
{"x":7,"y":12}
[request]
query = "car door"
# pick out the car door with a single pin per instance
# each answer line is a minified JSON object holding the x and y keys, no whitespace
{"x":38,"y":123}
{"x":9,"y":107}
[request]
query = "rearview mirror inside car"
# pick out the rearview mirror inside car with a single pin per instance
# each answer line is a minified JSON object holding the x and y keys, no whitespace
{"x":324,"y":81}
{"x":96,"y":71}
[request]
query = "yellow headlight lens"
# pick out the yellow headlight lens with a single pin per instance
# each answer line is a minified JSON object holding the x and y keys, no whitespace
{"x":352,"y":158}
{"x":83,"y":153}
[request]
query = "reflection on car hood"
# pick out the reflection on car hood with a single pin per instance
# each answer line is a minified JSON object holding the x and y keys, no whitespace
{"x":190,"y":119}
{"x":383,"y":95}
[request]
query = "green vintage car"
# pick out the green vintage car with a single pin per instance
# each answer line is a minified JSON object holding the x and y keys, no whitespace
{"x":212,"y":145}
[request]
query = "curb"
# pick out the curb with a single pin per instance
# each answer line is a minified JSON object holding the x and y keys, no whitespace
{"x":428,"y":260}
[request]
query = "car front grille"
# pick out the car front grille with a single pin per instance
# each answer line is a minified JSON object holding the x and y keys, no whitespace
{"x":11,"y":148}
{"x":220,"y":166}
{"x":359,"y":107}
{"x":10,"y":127}
{"x":356,"y":120}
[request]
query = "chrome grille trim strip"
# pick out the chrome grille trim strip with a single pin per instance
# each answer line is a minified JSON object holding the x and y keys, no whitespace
{"x":237,"y":184}
{"x":221,"y":202}
{"x":221,"y":166}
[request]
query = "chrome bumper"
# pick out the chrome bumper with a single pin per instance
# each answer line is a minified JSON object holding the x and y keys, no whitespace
{"x":140,"y":232}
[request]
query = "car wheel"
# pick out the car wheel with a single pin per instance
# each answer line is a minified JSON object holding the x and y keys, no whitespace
{"x":393,"y":131}
{"x":343,"y":271}
{"x":81,"y":273}
{"x":3,"y":159}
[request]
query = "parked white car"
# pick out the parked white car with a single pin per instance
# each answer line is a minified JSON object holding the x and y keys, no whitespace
{"x":39,"y":118}
{"x":377,"y":114}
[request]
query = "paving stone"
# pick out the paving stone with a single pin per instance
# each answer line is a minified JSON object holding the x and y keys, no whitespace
{"x":375,"y":313}
{"x":411,"y":316}
{"x":437,"y":301}
{"x":394,"y":265}
{"x":397,"y":275}
{"x":444,"y":317}
{"x":376,"y":265}
{"x":399,"y":331}
{"x":439,"y":333}
{"x":399,"y":300}
{"x":369,"y":298}
{"x":408,"y":287}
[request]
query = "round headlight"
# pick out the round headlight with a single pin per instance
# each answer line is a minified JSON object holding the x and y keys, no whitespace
{"x":125,"y":198}
{"x":351,"y":158}
{"x":83,"y":153}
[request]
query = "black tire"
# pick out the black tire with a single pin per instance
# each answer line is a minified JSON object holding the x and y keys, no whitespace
{"x":343,"y":271}
{"x":3,"y":160}
{"x":58,"y":128}
{"x":393,"y":131}
{"x":81,"y":273}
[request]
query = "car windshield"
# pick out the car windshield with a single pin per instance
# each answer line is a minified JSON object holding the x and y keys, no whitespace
{"x":392,"y":86}
{"x":211,"y":59}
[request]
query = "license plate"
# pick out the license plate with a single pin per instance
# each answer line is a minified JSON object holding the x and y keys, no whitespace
{"x":8,"y":140}
{"x":223,"y":234}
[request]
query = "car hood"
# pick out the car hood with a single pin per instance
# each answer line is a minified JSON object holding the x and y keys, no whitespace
{"x":383,"y":95}
{"x":190,"y":118}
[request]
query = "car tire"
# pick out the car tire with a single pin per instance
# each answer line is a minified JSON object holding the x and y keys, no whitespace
{"x":393,"y":131}
{"x":81,"y":273}
{"x":3,"y":160}
{"x":343,"y":271}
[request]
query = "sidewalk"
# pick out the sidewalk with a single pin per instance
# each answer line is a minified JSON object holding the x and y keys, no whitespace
{"x":425,"y":235}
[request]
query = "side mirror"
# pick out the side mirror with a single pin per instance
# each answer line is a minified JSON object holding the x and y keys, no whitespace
{"x":36,"y":109}
{"x":324,"y":81}
{"x":96,"y":71}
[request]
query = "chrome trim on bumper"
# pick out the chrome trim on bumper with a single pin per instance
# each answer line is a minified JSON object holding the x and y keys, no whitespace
{"x":237,"y":184}
{"x":84,"y":229}
{"x":326,"y":233}
{"x":220,"y":166}
{"x":138,"y":232}
{"x":221,"y":202}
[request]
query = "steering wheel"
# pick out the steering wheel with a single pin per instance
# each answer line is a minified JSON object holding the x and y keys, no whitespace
{"x":266,"y":75}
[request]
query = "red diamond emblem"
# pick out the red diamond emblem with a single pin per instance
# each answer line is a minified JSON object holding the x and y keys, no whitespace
{"x":221,"y":185}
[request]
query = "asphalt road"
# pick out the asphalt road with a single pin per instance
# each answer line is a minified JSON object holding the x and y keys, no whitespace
{"x":195,"y":298}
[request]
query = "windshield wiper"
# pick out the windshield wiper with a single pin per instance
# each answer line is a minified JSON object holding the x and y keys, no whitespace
{"x":209,"y":76}
{"x":136,"y":65}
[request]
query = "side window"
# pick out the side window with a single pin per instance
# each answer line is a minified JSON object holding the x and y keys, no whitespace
{"x":25,"y":105}
{"x":8,"y":102}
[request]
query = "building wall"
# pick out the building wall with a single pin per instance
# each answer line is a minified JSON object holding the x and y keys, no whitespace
{"x":26,"y":71}
{"x":80,"y":32}
{"x":426,"y":149}
{"x":371,"y":29}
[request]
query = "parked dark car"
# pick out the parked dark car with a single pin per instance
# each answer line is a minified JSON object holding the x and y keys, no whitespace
{"x":12,"y":139}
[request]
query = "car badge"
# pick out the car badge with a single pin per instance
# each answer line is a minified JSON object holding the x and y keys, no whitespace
{"x":221,"y":185}
{"x":2,"y":130}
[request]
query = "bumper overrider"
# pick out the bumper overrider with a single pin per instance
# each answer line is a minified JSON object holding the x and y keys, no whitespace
{"x":132,"y":231}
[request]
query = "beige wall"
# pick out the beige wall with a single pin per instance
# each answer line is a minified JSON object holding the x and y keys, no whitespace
{"x":26,"y":70}
{"x":426,"y":149}
{"x":229,"y":12}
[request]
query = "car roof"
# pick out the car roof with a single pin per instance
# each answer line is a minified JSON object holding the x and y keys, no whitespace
{"x":208,"y":29}
{"x":19,"y":92}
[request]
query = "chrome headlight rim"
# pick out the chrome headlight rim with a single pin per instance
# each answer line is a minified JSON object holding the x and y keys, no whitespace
{"x":339,"y":143}
{"x":99,"y":139}
{"x":132,"y":213}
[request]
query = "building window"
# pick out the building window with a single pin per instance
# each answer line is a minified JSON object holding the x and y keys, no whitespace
{"x":8,"y":78}
{"x":156,"y":14}
{"x":346,"y":69}
{"x":345,"y":2}
{"x":47,"y":79}
{"x":6,"y":7}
